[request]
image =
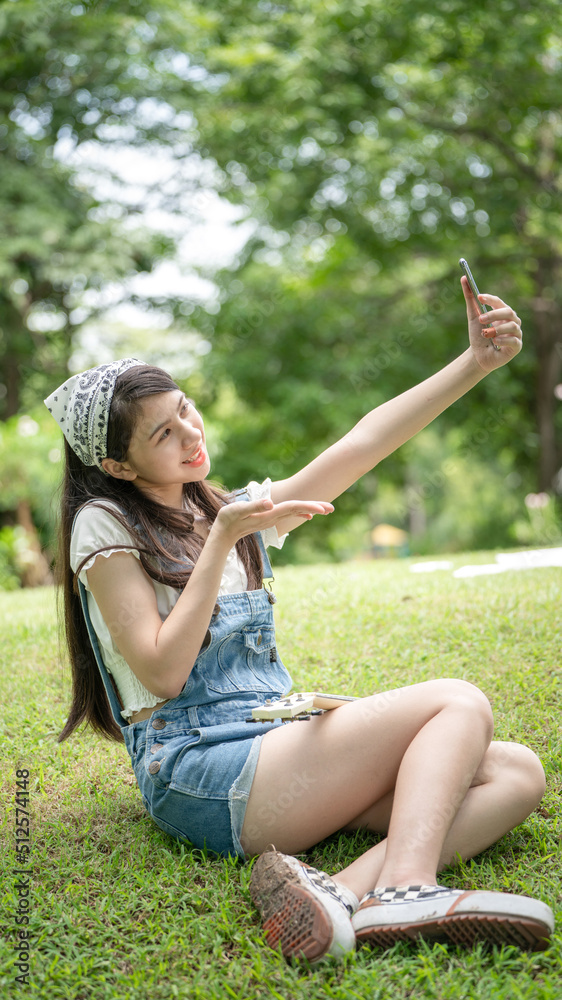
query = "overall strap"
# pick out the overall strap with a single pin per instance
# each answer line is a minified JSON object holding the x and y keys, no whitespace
{"x":109,"y":689}
{"x":107,"y":683}
{"x":267,"y":571}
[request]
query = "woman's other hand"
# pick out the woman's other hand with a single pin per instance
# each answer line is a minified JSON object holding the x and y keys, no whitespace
{"x":243,"y":518}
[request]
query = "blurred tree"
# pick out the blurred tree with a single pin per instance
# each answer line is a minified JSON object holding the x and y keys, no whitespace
{"x":72,"y":76}
{"x":30,"y":453}
{"x":372,"y":145}
{"x":375,"y":145}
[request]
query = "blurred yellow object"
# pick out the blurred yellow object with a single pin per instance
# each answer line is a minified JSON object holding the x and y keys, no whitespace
{"x":389,"y":541}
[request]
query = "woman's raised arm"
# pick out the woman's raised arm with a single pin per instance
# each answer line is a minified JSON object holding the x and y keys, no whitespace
{"x":391,"y":424}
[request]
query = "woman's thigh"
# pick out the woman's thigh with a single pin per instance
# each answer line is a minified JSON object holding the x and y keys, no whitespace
{"x":315,"y":777}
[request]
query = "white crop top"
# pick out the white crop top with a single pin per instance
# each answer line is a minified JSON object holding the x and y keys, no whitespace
{"x":95,"y":528}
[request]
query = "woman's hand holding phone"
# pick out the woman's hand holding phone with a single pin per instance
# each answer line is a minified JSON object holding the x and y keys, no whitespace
{"x":495,"y":334}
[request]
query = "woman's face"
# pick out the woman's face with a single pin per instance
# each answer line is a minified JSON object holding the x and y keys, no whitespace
{"x":167,"y":448}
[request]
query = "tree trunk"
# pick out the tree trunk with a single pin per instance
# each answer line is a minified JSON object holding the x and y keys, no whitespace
{"x":549,"y":374}
{"x":17,"y":350}
{"x":33,"y":567}
{"x":12,"y":380}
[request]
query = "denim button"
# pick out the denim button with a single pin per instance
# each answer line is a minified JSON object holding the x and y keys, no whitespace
{"x":155,"y":747}
{"x":154,"y":766}
{"x":159,"y":724}
{"x":260,"y":639}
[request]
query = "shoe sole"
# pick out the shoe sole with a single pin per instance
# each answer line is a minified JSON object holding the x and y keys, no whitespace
{"x":463,"y":929}
{"x":293,"y":920}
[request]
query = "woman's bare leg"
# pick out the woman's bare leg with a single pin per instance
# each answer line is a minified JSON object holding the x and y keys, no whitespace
{"x":508,"y":785}
{"x":423,"y":745}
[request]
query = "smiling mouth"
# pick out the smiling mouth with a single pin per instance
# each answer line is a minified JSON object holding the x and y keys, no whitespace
{"x":197,"y":457}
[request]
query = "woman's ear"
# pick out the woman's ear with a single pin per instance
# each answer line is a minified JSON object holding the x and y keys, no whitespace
{"x":119,"y":470}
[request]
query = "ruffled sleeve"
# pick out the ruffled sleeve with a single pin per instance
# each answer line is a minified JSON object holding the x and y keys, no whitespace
{"x":94,"y":529}
{"x":262,"y":491}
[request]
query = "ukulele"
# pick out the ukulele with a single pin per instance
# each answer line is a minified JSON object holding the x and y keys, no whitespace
{"x":298,"y":706}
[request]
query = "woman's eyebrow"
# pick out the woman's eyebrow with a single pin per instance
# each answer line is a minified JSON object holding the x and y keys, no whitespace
{"x":167,"y":421}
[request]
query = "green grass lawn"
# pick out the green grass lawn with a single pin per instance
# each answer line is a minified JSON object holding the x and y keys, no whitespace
{"x":118,"y":909}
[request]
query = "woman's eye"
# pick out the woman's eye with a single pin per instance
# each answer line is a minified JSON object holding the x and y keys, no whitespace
{"x":165,"y":434}
{"x":185,"y":407}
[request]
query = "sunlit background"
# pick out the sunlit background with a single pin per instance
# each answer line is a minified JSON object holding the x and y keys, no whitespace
{"x":270,"y":200}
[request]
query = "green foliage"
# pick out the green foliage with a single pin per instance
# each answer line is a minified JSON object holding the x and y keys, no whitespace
{"x":451,"y":501}
{"x":30,"y":468}
{"x":372,"y":146}
{"x":375,"y":147}
{"x":9,"y":577}
{"x":467,"y":502}
{"x":67,"y":80}
{"x":454,"y":501}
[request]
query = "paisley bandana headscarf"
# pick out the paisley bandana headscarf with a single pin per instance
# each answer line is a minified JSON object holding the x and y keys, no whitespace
{"x":81,"y":407}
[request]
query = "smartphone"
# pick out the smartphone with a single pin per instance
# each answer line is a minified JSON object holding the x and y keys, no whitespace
{"x":482,"y":307}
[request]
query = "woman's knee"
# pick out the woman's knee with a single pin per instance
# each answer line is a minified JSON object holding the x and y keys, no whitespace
{"x":456,"y":693}
{"x":527,"y":774}
{"x":518,"y":767}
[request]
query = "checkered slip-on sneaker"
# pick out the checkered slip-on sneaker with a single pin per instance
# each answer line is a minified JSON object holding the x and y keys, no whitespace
{"x":385,"y":916}
{"x":305,"y":913}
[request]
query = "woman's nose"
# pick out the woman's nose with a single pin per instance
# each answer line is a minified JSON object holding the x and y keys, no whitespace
{"x":190,"y":433}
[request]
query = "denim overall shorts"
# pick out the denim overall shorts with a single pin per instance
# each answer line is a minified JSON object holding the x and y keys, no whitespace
{"x":196,"y":756}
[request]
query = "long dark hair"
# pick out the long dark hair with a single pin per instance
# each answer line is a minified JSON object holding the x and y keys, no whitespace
{"x":167,"y":544}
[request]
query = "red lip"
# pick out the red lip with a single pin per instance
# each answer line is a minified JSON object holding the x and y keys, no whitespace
{"x":195,"y":462}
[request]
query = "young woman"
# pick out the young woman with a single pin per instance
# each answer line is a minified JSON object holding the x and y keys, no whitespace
{"x":170,"y":568}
